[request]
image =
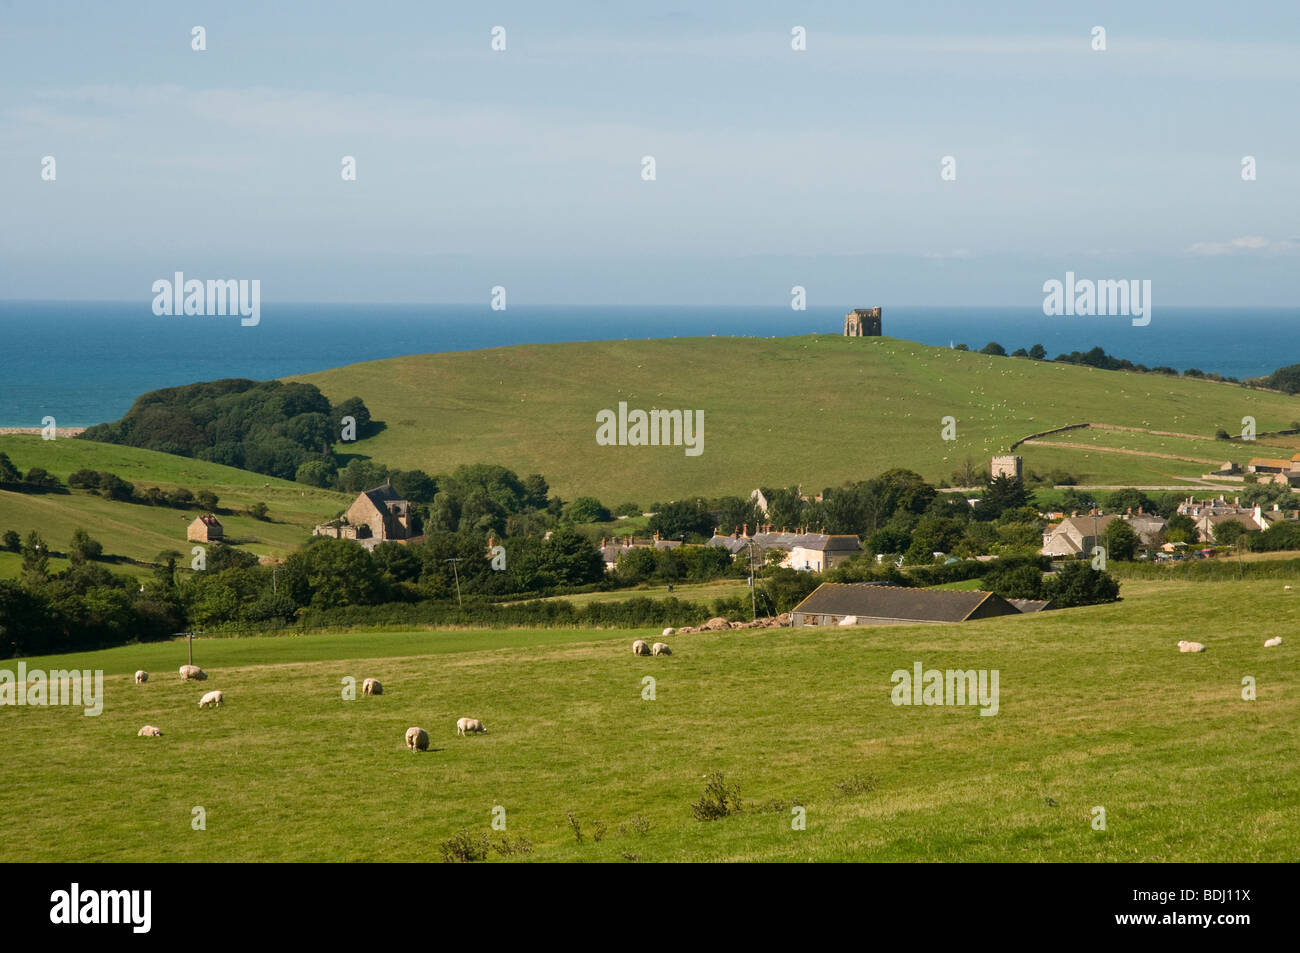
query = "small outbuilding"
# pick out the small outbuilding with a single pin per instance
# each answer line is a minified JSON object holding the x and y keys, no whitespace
{"x":205,"y":529}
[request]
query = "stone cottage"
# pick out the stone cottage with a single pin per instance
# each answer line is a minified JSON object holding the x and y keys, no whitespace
{"x":205,"y":529}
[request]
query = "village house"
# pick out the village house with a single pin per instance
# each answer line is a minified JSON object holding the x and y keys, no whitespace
{"x":1148,"y":526}
{"x":610,"y":550}
{"x":866,"y":603}
{"x":1076,"y":535}
{"x":375,"y":516}
{"x":205,"y":529}
{"x":805,"y":551}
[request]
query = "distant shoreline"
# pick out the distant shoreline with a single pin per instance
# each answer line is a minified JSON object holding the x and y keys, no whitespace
{"x":58,"y":432}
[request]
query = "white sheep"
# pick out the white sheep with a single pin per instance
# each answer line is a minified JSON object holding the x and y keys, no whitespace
{"x":660,"y":649}
{"x":141,"y":677}
{"x":668,"y":631}
{"x":464,"y":725}
{"x":848,"y":620}
{"x":212,"y":698}
{"x":1276,"y":640}
{"x":417,"y":739}
{"x":1184,"y":646}
{"x":192,"y":673}
{"x":371,"y":686}
{"x":639,"y":647}
{"x":149,"y":731}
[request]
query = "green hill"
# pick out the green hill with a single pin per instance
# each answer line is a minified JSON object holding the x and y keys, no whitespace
{"x":141,"y":532}
{"x":815,"y":410}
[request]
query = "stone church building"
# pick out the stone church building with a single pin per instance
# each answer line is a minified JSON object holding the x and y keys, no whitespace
{"x":375,"y":516}
{"x":862,"y":322}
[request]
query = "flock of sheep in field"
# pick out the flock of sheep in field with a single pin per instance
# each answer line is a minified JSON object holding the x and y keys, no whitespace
{"x":189,"y":673}
{"x":417,"y":739}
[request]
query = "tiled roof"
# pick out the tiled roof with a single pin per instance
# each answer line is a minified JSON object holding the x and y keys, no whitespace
{"x":872,"y":601}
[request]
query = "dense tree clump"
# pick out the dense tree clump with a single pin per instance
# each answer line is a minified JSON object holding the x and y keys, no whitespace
{"x":269,"y":427}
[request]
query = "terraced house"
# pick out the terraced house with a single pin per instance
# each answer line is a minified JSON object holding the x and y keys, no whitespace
{"x":810,"y":552}
{"x":610,"y":550}
{"x":1211,"y":514}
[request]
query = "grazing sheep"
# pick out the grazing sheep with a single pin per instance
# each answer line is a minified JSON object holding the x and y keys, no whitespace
{"x":660,"y":649}
{"x":149,"y":731}
{"x":668,"y":631}
{"x":417,"y":739}
{"x":464,"y":725}
{"x":639,"y":647}
{"x":371,"y":686}
{"x":1190,"y":647}
{"x":1276,"y":640}
{"x":212,"y":698}
{"x":192,"y":673}
{"x":141,"y":677}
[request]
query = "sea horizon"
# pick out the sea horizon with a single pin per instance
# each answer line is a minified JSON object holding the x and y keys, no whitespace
{"x":84,"y":362}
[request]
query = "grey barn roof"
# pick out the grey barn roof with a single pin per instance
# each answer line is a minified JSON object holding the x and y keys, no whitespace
{"x":1030,"y":605}
{"x":898,"y":603}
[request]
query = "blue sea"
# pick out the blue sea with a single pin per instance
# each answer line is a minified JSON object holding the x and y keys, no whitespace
{"x":84,"y":363}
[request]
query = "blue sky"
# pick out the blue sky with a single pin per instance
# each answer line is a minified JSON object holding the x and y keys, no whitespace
{"x":774,"y":168}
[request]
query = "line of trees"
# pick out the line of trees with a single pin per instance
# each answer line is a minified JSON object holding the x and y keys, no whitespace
{"x":1097,"y":357}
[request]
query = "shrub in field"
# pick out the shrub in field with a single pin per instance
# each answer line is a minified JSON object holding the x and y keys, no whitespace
{"x":857,"y":784}
{"x":719,"y":799}
{"x":461,"y":848}
{"x":505,"y":846}
{"x":576,"y":826}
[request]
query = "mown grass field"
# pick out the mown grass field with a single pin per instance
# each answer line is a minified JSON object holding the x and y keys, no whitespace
{"x":813,"y":410}
{"x":1097,"y":708}
{"x":141,"y":532}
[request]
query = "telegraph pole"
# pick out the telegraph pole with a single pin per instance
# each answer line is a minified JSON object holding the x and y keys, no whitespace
{"x":753,"y":607}
{"x":455,"y":568}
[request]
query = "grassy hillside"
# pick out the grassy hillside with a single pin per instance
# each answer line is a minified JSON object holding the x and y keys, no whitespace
{"x":141,"y":532}
{"x":1097,"y":708}
{"x":815,"y":410}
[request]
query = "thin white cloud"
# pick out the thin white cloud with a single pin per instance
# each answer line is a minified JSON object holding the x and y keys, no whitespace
{"x":1245,"y":245}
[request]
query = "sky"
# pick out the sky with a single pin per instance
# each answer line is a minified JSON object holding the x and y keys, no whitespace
{"x":523,"y":167}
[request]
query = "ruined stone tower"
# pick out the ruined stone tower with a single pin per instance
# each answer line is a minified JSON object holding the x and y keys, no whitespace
{"x":1008,"y":466}
{"x":862,"y":322}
